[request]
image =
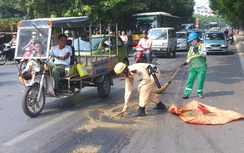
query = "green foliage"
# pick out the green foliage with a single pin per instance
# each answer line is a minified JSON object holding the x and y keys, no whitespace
{"x":9,"y":24}
{"x":230,"y":10}
{"x":102,"y":11}
{"x":204,"y":20}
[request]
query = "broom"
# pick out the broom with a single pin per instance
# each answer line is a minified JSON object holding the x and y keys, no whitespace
{"x":120,"y":114}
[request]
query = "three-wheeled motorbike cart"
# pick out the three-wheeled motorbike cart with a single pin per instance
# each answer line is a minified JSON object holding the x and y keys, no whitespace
{"x":84,"y":70}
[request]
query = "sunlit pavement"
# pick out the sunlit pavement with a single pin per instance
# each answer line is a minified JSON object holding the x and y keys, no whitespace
{"x":239,"y":41}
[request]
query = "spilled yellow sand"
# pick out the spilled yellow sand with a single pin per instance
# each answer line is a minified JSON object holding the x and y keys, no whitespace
{"x":87,"y":149}
{"x":99,"y":122}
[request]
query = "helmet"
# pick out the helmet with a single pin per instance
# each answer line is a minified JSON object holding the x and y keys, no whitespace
{"x":33,"y":33}
{"x":15,"y":33}
{"x":66,"y":32}
{"x":192,"y":36}
{"x":119,"y":67}
{"x":144,"y":32}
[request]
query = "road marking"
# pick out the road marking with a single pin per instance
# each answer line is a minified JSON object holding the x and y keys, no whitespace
{"x":35,"y":130}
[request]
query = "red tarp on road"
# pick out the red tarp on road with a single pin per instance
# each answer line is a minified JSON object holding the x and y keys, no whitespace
{"x":199,"y":113}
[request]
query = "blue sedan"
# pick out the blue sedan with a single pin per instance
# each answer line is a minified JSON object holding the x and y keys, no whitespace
{"x":215,"y":42}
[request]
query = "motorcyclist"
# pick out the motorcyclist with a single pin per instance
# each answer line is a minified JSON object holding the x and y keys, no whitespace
{"x":31,"y":42}
{"x":226,"y":33}
{"x":146,"y":43}
{"x":140,"y":73}
{"x":13,"y":44}
{"x":231,"y":36}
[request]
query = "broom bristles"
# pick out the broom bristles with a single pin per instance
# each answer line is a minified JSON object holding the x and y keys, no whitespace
{"x":120,"y":114}
{"x":160,"y":90}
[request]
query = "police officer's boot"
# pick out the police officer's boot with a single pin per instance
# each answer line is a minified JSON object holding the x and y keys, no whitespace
{"x":159,"y":105}
{"x":140,"y":112}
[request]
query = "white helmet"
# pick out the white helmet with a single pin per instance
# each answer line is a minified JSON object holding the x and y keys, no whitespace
{"x":33,"y":33}
{"x":119,"y":68}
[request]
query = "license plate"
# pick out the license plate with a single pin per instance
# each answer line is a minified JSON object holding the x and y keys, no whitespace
{"x":215,"y":47}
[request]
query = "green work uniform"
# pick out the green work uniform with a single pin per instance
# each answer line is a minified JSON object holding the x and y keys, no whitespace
{"x":198,"y":68}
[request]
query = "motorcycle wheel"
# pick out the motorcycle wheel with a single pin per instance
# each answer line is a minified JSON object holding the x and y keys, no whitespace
{"x":22,"y":65}
{"x":104,"y":87}
{"x":3,"y":59}
{"x":30,"y":106}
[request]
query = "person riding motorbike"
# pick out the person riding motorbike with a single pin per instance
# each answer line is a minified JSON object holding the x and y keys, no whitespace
{"x":31,"y":42}
{"x":13,"y":44}
{"x":139,"y":72}
{"x":231,"y":38}
{"x":146,"y":43}
{"x":226,"y":33}
{"x":62,"y":53}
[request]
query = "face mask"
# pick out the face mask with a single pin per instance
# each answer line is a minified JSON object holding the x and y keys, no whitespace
{"x":193,"y":43}
{"x":34,"y":37}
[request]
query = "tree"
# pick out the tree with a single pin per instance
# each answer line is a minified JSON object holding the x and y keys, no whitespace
{"x":230,"y":10}
{"x":102,"y":11}
{"x":204,"y":20}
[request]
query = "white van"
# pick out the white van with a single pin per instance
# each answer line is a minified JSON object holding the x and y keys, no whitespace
{"x":182,"y":43}
{"x":164,"y":41}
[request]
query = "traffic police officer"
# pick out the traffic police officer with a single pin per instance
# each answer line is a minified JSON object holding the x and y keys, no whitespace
{"x":139,"y":71}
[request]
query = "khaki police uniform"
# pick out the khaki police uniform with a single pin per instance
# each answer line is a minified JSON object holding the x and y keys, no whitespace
{"x":140,"y":73}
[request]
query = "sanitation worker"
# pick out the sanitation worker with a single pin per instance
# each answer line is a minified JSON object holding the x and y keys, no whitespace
{"x":139,"y":72}
{"x":198,"y":65}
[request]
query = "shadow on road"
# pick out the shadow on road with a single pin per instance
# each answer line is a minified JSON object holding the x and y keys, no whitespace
{"x":219,"y":93}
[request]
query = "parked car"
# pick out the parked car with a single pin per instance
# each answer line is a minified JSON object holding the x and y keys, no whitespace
{"x":164,"y":41}
{"x":215,"y":42}
{"x":182,"y":43}
{"x":102,"y":44}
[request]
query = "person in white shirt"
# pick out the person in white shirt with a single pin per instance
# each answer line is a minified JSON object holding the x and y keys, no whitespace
{"x":62,"y":53}
{"x":145,"y":43}
{"x":124,"y":38}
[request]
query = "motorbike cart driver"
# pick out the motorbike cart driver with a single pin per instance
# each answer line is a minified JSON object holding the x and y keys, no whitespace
{"x":140,"y":72}
{"x":62,"y":52}
{"x":146,"y":43}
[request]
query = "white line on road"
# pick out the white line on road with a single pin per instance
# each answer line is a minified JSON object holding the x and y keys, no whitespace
{"x":35,"y":130}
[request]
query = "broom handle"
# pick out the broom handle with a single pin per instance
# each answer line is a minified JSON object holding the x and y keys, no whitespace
{"x":177,"y":70}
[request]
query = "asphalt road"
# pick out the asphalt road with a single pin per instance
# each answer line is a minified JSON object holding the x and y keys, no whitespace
{"x":83,"y":123}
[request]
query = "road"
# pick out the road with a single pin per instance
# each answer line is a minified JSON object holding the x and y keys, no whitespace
{"x":83,"y":123}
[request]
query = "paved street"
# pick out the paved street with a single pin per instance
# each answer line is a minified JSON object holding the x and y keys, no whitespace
{"x":83,"y":124}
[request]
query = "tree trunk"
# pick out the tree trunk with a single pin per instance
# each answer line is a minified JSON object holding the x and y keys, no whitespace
{"x":241,"y":28}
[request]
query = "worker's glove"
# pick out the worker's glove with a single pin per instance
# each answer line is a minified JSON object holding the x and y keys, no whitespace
{"x":184,"y":64}
{"x":195,"y":49}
